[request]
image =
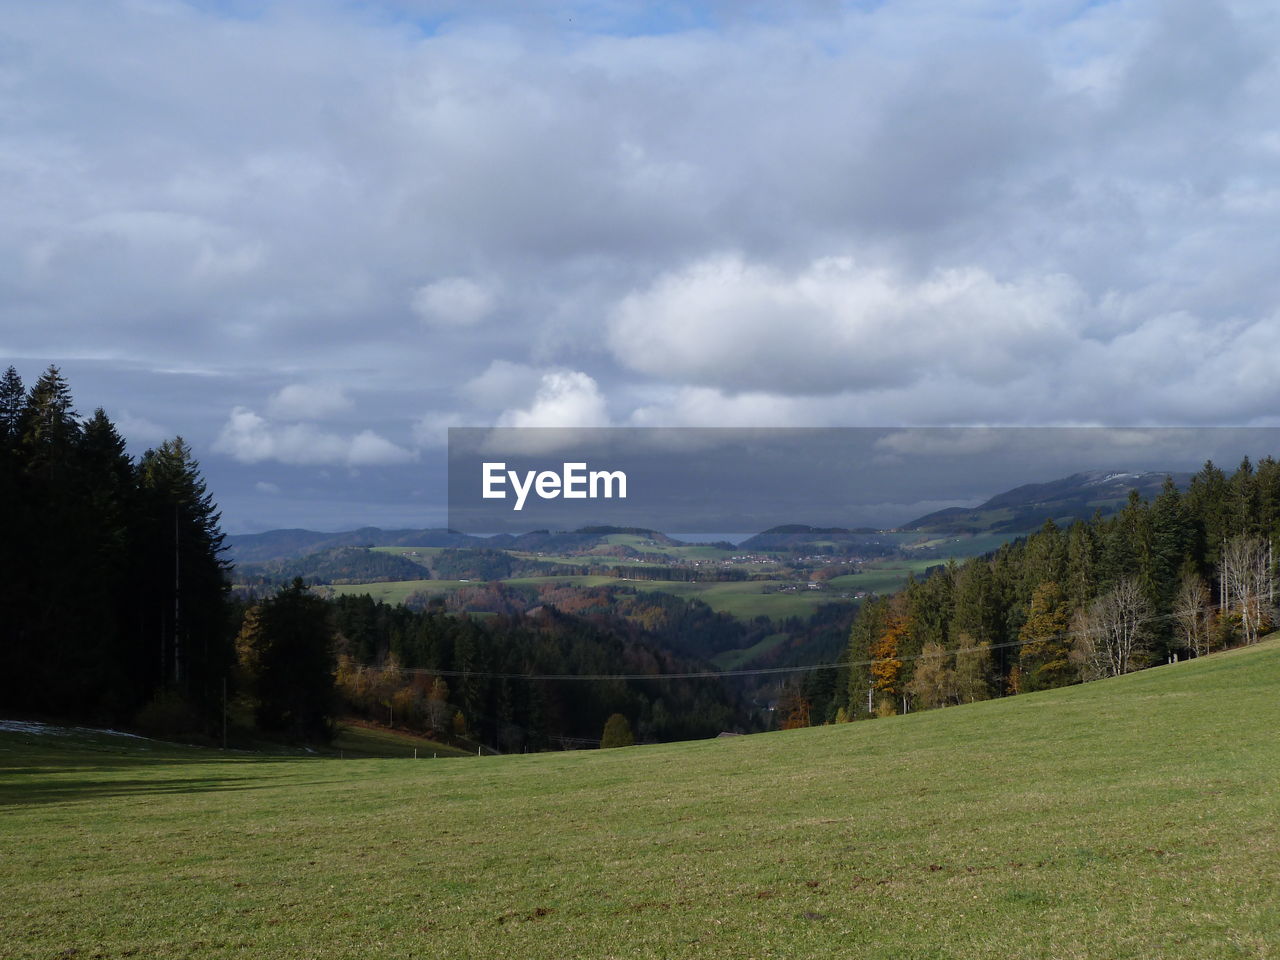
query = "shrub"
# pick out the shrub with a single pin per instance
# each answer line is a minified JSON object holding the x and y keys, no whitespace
{"x":617,"y":733}
{"x":167,"y":715}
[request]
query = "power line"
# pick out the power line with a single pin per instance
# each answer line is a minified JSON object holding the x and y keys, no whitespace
{"x":720,"y":674}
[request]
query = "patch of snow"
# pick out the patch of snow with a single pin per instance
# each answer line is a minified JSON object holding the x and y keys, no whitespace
{"x":52,"y":730}
{"x":24,"y":726}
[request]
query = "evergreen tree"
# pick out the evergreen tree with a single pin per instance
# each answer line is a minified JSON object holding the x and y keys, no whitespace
{"x":12,"y":401}
{"x":182,"y":575}
{"x":1045,"y":661}
{"x":1082,"y":563}
{"x":287,"y":656}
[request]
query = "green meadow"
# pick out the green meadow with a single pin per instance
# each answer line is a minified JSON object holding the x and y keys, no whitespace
{"x":1129,"y":818}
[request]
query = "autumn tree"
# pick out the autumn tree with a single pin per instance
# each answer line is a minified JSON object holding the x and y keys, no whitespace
{"x":886,"y":665}
{"x":794,"y":708}
{"x":438,"y":712}
{"x":934,"y":682}
{"x":617,"y":732}
{"x":973,"y":665}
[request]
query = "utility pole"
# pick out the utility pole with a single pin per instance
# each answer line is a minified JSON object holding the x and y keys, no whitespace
{"x":1222,"y":578}
{"x":177,"y":602}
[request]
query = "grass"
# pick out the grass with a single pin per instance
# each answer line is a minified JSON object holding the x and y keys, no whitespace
{"x":362,"y":741}
{"x":733,"y":659}
{"x":1130,"y":818}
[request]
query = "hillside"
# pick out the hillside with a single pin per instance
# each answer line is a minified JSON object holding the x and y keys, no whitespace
{"x":1127,"y":818}
{"x":1025,"y":508}
{"x":287,"y":544}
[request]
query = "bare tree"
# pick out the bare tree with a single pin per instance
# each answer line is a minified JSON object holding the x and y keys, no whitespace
{"x":933,"y":684}
{"x":438,"y":710}
{"x":973,"y":663}
{"x":1084,"y":645}
{"x":1247,"y":582}
{"x":1111,"y":637}
{"x":1191,"y":610}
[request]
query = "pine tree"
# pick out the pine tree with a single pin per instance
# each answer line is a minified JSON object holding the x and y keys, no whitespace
{"x":12,"y":401}
{"x":181,"y":574}
{"x":1045,"y":658}
{"x":287,"y":655}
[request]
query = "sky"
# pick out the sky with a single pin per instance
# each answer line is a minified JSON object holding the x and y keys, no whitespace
{"x":311,"y":236}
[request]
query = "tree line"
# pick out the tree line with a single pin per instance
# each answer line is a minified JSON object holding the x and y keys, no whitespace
{"x":1181,"y":575}
{"x":115,"y":608}
{"x":491,"y":679}
{"x":114,"y":596}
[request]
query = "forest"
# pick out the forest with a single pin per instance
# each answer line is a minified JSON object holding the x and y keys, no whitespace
{"x":117,"y":609}
{"x":1181,"y":575}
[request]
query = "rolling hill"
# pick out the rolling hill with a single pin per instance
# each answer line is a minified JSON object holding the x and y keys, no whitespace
{"x":1128,"y":818}
{"x":1026,"y":508}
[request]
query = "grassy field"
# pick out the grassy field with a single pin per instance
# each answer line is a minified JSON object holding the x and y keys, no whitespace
{"x":1130,"y":818}
{"x":360,"y":741}
{"x":733,"y":659}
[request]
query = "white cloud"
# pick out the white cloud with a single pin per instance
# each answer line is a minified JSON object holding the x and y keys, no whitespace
{"x":834,"y":325}
{"x":1039,"y":232}
{"x":564,"y":399}
{"x":431,"y":430}
{"x":139,"y":429}
{"x":250,"y":438}
{"x":503,"y":384}
{"x":453,"y":302}
{"x":263,"y":486}
{"x":303,"y":401}
{"x":370,"y":449}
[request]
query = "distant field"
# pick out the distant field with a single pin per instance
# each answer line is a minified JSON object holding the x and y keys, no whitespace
{"x":733,"y":659}
{"x":424,"y":552}
{"x":881,"y":579}
{"x":961,"y":547}
{"x":1130,"y":818}
{"x":396,"y":591}
{"x":777,"y":599}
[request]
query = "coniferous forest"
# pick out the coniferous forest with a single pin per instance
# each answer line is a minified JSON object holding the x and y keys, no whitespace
{"x":114,"y":595}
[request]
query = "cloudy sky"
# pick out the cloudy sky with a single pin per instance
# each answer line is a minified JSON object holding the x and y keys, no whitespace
{"x":309,"y":236}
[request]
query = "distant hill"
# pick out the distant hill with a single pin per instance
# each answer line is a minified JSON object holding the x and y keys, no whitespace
{"x":333,"y":565}
{"x":283,"y":544}
{"x":1025,"y":508}
{"x":795,"y":536}
{"x":286,"y":544}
